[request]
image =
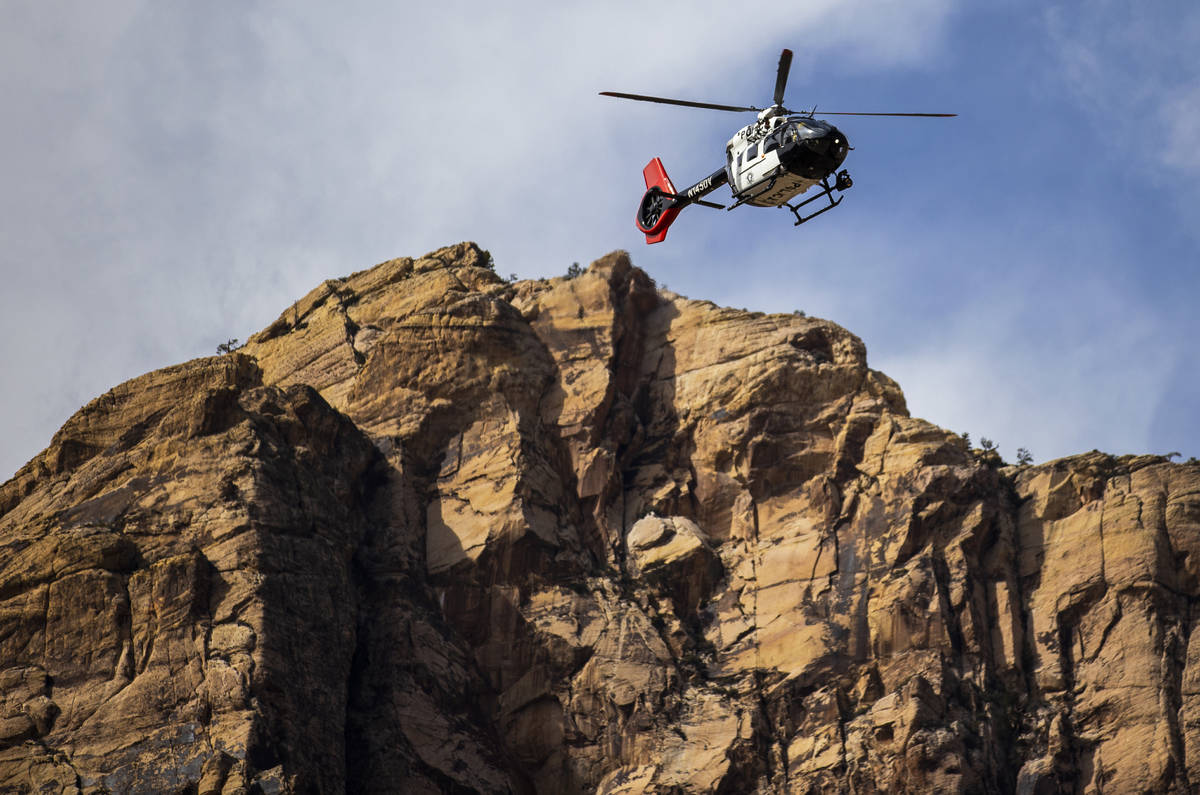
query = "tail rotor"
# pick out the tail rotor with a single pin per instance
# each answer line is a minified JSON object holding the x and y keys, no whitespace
{"x":659,"y":207}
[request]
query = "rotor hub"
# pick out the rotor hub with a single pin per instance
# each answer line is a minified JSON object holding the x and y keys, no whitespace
{"x":771,"y":112}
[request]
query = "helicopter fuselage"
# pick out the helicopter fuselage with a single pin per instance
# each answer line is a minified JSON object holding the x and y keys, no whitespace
{"x":767,"y":163}
{"x":779,"y":157}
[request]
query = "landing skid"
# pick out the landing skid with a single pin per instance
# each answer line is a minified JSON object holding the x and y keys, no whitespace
{"x":843,"y":183}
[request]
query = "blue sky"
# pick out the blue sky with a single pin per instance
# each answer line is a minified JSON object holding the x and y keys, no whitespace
{"x":176,"y":175}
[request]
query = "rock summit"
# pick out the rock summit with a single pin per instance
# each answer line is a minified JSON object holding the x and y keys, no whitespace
{"x":435,"y":532}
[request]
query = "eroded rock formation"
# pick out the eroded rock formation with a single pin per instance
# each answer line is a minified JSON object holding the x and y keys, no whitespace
{"x":435,"y":532}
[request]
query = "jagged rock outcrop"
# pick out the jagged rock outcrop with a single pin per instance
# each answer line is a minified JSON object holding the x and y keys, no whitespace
{"x":431,"y":531}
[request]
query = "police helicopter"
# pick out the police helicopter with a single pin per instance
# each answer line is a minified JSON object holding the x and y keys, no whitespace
{"x":767,"y":163}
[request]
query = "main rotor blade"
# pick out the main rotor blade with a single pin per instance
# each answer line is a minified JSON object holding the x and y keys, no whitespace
{"x":927,"y":115}
{"x":785,"y":66}
{"x":683,"y":102}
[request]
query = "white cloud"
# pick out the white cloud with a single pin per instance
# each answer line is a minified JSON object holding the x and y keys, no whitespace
{"x":1069,"y":397}
{"x":1133,"y":68}
{"x":1179,"y":114}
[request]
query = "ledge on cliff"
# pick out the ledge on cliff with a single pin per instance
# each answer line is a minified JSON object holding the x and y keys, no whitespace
{"x":434,"y":530}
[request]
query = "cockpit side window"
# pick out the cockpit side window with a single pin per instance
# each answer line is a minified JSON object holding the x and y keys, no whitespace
{"x":752,"y":152}
{"x":772,"y":142}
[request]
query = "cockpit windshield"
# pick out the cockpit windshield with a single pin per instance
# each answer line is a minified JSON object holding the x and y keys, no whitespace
{"x":806,"y":128}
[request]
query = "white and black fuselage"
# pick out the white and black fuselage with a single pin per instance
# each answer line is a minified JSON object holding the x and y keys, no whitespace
{"x":767,"y":163}
{"x":779,"y":157}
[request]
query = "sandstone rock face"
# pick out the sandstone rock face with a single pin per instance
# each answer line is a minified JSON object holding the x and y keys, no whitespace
{"x":434,"y":532}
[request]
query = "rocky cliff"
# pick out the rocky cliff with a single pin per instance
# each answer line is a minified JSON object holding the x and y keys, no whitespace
{"x":433,"y":532}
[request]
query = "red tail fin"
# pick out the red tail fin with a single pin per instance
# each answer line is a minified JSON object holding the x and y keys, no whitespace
{"x":656,"y":212}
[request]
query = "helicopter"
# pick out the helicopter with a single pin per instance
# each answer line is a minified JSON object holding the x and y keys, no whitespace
{"x":767,"y":163}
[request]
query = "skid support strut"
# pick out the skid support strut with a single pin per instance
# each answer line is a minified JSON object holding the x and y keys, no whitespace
{"x":842,"y":183}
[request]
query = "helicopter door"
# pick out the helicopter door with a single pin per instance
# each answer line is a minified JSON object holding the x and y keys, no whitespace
{"x":748,"y":162}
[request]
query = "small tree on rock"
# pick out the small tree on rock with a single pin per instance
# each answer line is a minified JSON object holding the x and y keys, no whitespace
{"x":988,"y":452}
